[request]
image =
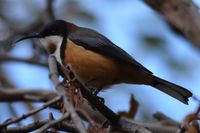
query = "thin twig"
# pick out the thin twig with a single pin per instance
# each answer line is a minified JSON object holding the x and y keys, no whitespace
{"x":165,"y":120}
{"x":26,"y":95}
{"x":5,"y":58}
{"x":27,"y":128}
{"x":52,"y":123}
{"x":155,"y":127}
{"x":38,"y":124}
{"x":8,"y":86}
{"x":15,"y":120}
{"x":49,"y":9}
{"x":54,"y":76}
{"x":13,"y":112}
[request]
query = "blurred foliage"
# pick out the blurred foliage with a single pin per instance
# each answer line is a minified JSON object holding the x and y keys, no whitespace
{"x":159,"y":45}
{"x":154,"y":42}
{"x":178,"y":65}
{"x":73,"y":10}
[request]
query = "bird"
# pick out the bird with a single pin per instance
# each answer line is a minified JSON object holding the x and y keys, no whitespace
{"x":96,"y":61}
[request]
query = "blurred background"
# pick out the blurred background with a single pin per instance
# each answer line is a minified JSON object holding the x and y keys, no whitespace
{"x":130,"y":24}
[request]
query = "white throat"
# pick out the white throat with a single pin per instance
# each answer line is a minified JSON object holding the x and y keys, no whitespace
{"x":56,"y":40}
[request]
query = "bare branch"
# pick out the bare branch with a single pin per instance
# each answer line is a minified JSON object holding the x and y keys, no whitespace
{"x":15,"y":120}
{"x":117,"y":122}
{"x":183,"y":14}
{"x":6,"y":58}
{"x":155,"y":127}
{"x":52,"y":123}
{"x":27,"y":128}
{"x":26,"y":95}
{"x":54,"y":75}
{"x":165,"y":120}
{"x":38,"y":124}
{"x":49,"y":9}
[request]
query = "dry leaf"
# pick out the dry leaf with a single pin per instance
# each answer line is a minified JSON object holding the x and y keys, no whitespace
{"x":132,"y":110}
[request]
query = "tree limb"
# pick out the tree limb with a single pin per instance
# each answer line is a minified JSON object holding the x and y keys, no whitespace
{"x":49,"y":9}
{"x":6,"y":58}
{"x":38,"y":124}
{"x":26,"y":95}
{"x":54,"y":76}
{"x":52,"y":123}
{"x":117,"y":122}
{"x":24,"y":116}
{"x":183,"y":14}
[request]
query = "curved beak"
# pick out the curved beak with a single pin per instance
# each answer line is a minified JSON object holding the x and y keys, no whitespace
{"x":28,"y":37}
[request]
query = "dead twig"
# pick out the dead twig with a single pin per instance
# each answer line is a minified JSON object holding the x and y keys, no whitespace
{"x":24,"y":116}
{"x":7,"y":58}
{"x":52,"y":123}
{"x":165,"y":120}
{"x":26,"y":95}
{"x":117,"y":122}
{"x":38,"y":124}
{"x":54,"y":76}
{"x":49,"y":9}
{"x":183,"y":14}
{"x":189,"y":124}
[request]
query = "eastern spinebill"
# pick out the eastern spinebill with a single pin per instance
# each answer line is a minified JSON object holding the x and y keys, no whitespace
{"x":97,"y":62}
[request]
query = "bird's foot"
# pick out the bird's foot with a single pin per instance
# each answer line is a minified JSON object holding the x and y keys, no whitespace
{"x":95,"y":92}
{"x":101,"y":99}
{"x":106,"y":124}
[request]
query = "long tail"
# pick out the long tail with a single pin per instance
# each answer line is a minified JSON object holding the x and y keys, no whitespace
{"x":172,"y":89}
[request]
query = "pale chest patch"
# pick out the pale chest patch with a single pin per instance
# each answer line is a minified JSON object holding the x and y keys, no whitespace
{"x":52,"y":44}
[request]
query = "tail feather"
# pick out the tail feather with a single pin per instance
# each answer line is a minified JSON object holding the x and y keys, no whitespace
{"x":172,"y":89}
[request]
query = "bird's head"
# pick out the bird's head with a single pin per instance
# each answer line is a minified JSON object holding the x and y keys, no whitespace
{"x":51,"y":36}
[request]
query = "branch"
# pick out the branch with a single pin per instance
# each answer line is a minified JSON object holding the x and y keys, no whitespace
{"x":183,"y":14}
{"x":155,"y":127}
{"x":15,"y":120}
{"x":117,"y":122}
{"x":26,"y":95}
{"x":4,"y":81}
{"x":39,"y":95}
{"x":190,"y":124}
{"x":6,"y":58}
{"x":49,"y":9}
{"x":24,"y":129}
{"x":44,"y":96}
{"x":52,"y":123}
{"x":54,"y":76}
{"x":38,"y":124}
{"x":165,"y":120}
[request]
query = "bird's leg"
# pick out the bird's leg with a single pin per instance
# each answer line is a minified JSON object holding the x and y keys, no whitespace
{"x":95,"y":92}
{"x":106,"y":124}
{"x":101,"y":99}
